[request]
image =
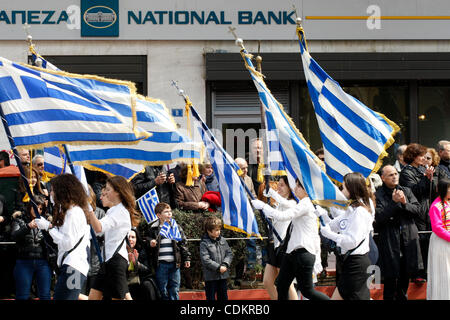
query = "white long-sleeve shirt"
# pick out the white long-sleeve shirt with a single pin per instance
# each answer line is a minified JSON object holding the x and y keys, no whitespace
{"x":305,"y":230}
{"x":353,"y":225}
{"x":68,"y":235}
{"x":116,"y":224}
{"x":281,"y":226}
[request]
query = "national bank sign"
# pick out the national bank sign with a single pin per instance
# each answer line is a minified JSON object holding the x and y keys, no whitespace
{"x":211,"y":19}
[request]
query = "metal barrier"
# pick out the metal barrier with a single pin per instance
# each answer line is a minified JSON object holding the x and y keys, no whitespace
{"x":250,"y":238}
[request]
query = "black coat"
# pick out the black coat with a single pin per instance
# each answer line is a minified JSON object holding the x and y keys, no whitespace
{"x":414,"y":178}
{"x":145,"y":181}
{"x":29,"y":242}
{"x":395,"y":225}
{"x":151,"y":232}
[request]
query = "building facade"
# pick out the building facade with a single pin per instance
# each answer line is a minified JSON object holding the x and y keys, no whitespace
{"x":394,"y":56}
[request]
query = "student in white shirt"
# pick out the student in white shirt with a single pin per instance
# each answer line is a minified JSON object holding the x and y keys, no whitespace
{"x":70,"y":231}
{"x":351,"y":230}
{"x":302,"y":248}
{"x":111,"y":280}
{"x":284,"y":201}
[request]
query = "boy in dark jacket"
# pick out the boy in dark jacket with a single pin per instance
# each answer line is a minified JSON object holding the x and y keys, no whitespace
{"x":216,"y":257}
{"x":166,"y":255}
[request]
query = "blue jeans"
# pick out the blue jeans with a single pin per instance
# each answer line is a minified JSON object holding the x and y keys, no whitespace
{"x":168,"y":280}
{"x":69,"y":283}
{"x":23,"y":274}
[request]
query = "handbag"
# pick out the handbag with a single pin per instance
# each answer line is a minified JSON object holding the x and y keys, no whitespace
{"x":281,"y":249}
{"x":102,"y":269}
{"x":57,"y":268}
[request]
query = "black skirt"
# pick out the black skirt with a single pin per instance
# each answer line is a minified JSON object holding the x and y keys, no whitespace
{"x":272,"y":258}
{"x":352,"y":275}
{"x":112,"y":278}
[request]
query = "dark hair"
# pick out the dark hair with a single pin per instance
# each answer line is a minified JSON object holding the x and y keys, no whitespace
{"x":5,"y":157}
{"x":357,"y":189}
{"x":212,"y":223}
{"x":22,"y":181}
{"x":160,"y":207}
{"x":412,"y":151}
{"x":319,"y":151}
{"x":442,"y":187}
{"x":286,"y":181}
{"x":39,"y":200}
{"x":139,"y":244}
{"x":126,"y":194}
{"x":67,"y":191}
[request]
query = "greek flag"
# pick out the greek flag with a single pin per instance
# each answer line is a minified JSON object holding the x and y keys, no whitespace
{"x":55,"y":163}
{"x":237,"y":212}
{"x":171,"y":230}
{"x":48,"y":108}
{"x":299,"y":161}
{"x":165,"y":144}
{"x":147,"y":204}
{"x":354,"y":137}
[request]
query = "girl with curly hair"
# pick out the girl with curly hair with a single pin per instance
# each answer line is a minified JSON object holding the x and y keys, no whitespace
{"x":70,"y":231}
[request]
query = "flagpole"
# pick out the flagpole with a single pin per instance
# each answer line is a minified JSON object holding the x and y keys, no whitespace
{"x":46,"y":234}
{"x":93,"y":236}
{"x":19,"y":163}
{"x":186,"y":99}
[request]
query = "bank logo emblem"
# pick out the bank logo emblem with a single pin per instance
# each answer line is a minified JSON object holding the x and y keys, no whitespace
{"x":100,"y":17}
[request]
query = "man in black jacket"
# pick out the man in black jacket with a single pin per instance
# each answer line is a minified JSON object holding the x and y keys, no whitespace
{"x":155,"y":176}
{"x":444,"y":155}
{"x":399,"y":247}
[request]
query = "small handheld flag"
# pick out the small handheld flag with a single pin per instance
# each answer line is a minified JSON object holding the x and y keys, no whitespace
{"x":171,"y":230}
{"x":147,"y":204}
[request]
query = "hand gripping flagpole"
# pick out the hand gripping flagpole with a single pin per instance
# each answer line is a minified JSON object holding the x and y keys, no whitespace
{"x":47,"y":237}
{"x":186,"y":99}
{"x":93,"y":236}
{"x":19,"y":163}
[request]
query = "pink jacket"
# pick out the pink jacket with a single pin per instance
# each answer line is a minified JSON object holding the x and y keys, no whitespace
{"x":437,"y":219}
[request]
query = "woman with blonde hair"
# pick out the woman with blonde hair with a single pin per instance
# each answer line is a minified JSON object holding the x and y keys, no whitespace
{"x":111,"y":281}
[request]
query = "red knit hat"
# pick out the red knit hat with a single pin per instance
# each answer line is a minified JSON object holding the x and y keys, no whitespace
{"x":213,"y":198}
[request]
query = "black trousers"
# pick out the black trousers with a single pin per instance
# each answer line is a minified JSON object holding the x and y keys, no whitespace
{"x":298,"y":264}
{"x":396,"y":288}
{"x":218,"y":287}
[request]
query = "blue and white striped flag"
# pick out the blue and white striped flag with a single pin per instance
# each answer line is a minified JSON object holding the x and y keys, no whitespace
{"x":49,"y":108}
{"x":147,"y":204}
{"x":171,"y":230}
{"x":165,"y":145}
{"x":55,"y":163}
{"x":237,"y":213}
{"x":354,"y":137}
{"x":299,"y":160}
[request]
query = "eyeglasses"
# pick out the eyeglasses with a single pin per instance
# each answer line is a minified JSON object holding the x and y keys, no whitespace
{"x":40,"y":164}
